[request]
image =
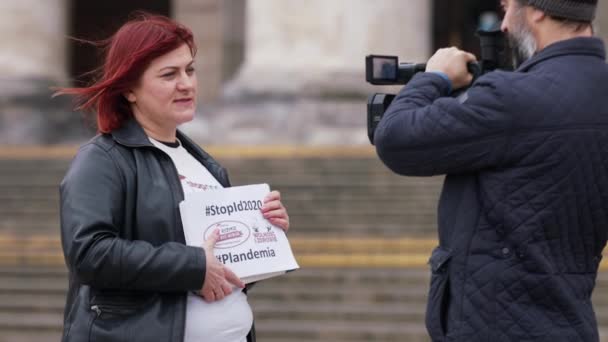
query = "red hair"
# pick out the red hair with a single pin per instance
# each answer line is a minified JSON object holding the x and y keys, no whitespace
{"x":127,"y":55}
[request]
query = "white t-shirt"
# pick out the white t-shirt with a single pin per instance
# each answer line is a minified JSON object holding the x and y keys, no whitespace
{"x":227,"y":320}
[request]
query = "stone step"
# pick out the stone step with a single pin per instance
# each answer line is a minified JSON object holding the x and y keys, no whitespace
{"x":366,"y":276}
{"x":32,"y":302}
{"x":346,"y":200}
{"x":321,"y":275}
{"x":292,"y":289}
{"x":36,"y":162}
{"x":362,"y":296}
{"x":287,"y":175}
{"x":8,"y":226}
{"x":290,"y":179}
{"x":335,"y":181}
{"x":326,"y":197}
{"x":350,"y":312}
{"x":15,"y":205}
{"x":393,"y":194}
{"x":22,"y":285}
{"x":306,"y":305}
{"x":30,"y":210}
{"x":292,"y":171}
{"x":415,"y":335}
{"x":45,"y":299}
{"x":29,"y":335}
{"x":323,"y":195}
{"x":33,"y":271}
{"x":25,"y":246}
{"x":328,"y":218}
{"x":339,"y":292}
{"x":26,"y":191}
{"x":304,"y":206}
{"x":31,"y":321}
{"x":29,"y":180}
{"x":385,"y":228}
{"x":49,"y":220}
{"x":262,"y":163}
{"x":319,"y":330}
{"x":321,"y":209}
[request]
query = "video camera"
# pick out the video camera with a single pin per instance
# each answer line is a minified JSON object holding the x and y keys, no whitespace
{"x":386,"y":70}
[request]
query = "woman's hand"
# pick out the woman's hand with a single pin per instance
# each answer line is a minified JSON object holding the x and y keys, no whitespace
{"x":218,"y":278}
{"x":274,"y":211}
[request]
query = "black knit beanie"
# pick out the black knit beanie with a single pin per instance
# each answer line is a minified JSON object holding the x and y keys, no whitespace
{"x":577,"y":10}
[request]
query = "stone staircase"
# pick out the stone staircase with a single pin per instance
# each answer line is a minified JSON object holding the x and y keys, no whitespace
{"x":308,"y":305}
{"x":324,"y":196}
{"x":342,"y":197}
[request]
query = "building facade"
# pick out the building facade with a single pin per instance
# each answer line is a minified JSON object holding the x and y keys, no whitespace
{"x":273,"y":71}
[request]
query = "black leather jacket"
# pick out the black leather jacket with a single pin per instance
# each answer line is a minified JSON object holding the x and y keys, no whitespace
{"x":123,"y":241}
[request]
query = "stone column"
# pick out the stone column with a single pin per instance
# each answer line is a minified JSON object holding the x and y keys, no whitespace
{"x":217,"y":26}
{"x":317,"y":46}
{"x":233,"y":28}
{"x":203,"y":17}
{"x":33,"y":39}
{"x":33,"y":43}
{"x":601,"y":21}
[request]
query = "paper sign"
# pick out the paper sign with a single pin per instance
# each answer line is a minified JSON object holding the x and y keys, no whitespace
{"x":248,"y":244}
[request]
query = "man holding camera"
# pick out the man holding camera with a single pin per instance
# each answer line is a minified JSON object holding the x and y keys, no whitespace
{"x":523,"y":215}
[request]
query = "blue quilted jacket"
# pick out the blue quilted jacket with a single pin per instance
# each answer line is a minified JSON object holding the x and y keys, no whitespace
{"x":523,"y":215}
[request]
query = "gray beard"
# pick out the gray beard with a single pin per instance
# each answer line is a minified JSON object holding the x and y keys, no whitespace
{"x":523,"y":42}
{"x":524,"y":47}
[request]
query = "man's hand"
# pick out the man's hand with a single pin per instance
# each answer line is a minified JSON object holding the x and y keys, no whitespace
{"x":218,"y":278}
{"x":274,"y":211}
{"x":452,"y":62}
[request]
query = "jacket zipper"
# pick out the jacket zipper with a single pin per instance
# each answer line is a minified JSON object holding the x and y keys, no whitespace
{"x":177,"y":224}
{"x":97,"y":311}
{"x":113,"y":309}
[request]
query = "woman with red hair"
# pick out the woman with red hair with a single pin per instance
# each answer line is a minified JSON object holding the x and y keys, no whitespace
{"x":133,"y":277}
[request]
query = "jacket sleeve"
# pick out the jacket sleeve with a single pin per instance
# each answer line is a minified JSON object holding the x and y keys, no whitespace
{"x":425,"y":133}
{"x":92,"y":197}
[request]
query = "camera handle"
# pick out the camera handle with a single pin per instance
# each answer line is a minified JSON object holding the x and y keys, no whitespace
{"x":474,"y":69}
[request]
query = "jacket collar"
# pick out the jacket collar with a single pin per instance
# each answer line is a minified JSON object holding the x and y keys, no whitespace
{"x":589,"y":46}
{"x":131,"y":134}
